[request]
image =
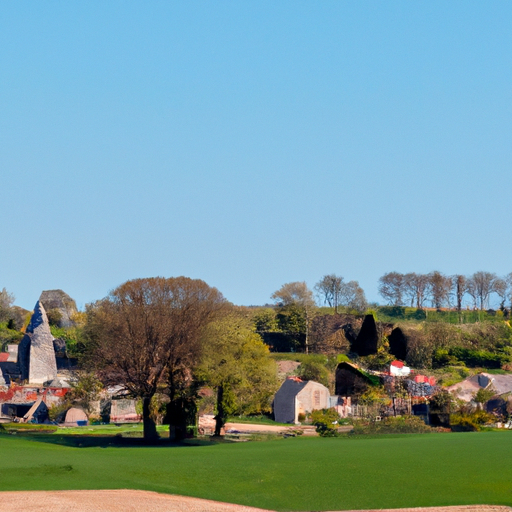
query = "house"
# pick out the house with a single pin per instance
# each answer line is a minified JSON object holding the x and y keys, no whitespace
{"x":466,"y":389}
{"x":398,"y":369}
{"x":296,"y":396}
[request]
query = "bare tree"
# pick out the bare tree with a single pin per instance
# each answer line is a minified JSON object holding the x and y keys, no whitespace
{"x":459,"y":284}
{"x":336,"y":292}
{"x":353,"y":296}
{"x":392,"y":288}
{"x":480,"y":286}
{"x":508,"y":280}
{"x":501,"y":289}
{"x":440,"y":287}
{"x":330,"y":289}
{"x":146,"y":330}
{"x":416,"y":287}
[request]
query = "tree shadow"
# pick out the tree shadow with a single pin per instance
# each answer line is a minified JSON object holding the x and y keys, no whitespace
{"x":116,"y":441}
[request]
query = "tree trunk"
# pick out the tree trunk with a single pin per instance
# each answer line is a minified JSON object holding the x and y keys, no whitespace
{"x":149,"y":426}
{"x":177,"y":419}
{"x":220,"y":418}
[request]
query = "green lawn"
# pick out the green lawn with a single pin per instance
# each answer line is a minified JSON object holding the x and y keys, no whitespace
{"x":289,"y":474}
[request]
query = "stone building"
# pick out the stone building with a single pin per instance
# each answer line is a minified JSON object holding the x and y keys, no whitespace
{"x":296,"y":396}
{"x":36,"y":354}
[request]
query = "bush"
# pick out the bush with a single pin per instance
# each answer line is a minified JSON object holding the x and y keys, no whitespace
{"x":479,"y":358}
{"x":8,"y":336}
{"x":314,"y":370}
{"x":392,"y":425}
{"x":326,"y":422}
{"x":58,"y":411}
{"x":54,"y":317}
{"x":470,"y":422}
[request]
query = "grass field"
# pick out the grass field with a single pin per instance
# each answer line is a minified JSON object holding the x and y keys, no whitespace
{"x":290,"y":474}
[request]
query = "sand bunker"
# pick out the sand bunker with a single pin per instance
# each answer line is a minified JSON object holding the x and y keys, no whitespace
{"x":135,"y":501}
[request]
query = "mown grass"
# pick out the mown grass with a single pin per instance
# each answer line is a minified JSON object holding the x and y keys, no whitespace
{"x":125,"y":429}
{"x":291,"y":474}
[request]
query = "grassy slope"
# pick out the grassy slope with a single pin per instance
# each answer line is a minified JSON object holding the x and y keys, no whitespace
{"x":292,"y":474}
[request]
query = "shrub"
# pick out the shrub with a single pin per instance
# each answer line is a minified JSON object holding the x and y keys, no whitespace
{"x":326,"y":422}
{"x":470,"y":422}
{"x":374,"y":395}
{"x":54,"y":317}
{"x":57,"y":412}
{"x":479,"y":358}
{"x":392,"y":425}
{"x":314,"y":370}
{"x":484,"y":395}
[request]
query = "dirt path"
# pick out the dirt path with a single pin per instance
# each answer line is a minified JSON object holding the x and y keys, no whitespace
{"x":252,"y":427}
{"x":124,"y":500}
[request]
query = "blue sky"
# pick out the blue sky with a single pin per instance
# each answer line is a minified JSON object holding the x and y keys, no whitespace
{"x":250,"y":144}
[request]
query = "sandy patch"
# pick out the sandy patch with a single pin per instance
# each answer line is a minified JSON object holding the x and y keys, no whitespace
{"x":120,"y":500}
{"x":125,"y":500}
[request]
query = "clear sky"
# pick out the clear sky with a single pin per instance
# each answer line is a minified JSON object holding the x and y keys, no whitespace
{"x":250,"y":144}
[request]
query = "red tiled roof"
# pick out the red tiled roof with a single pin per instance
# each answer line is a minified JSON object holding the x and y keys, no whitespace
{"x":3,"y":356}
{"x":397,"y":364}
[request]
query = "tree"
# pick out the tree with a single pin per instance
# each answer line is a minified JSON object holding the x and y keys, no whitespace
{"x":440,"y":287}
{"x":335,"y":292}
{"x":296,"y":302}
{"x":236,"y":363}
{"x":311,"y":369}
{"x":265,"y":321}
{"x":501,"y":289}
{"x":330,"y":288}
{"x":84,"y":391}
{"x":353,"y":296}
{"x":480,"y":286}
{"x":460,"y":285}
{"x":392,"y":288}
{"x":147,"y":330}
{"x":6,"y":302}
{"x":416,"y":287}
{"x":296,"y":293}
{"x":508,"y":280}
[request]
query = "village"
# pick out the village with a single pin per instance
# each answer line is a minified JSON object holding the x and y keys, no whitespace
{"x":37,"y":375}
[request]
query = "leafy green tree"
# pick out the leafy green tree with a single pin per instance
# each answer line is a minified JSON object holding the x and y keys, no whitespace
{"x":237,"y":364}
{"x":6,"y":302}
{"x":483,"y":395}
{"x":296,"y":309}
{"x":313,"y":370}
{"x":85,"y":390}
{"x":265,"y":321}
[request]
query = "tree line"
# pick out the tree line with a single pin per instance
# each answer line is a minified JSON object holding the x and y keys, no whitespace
{"x":442,"y":291}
